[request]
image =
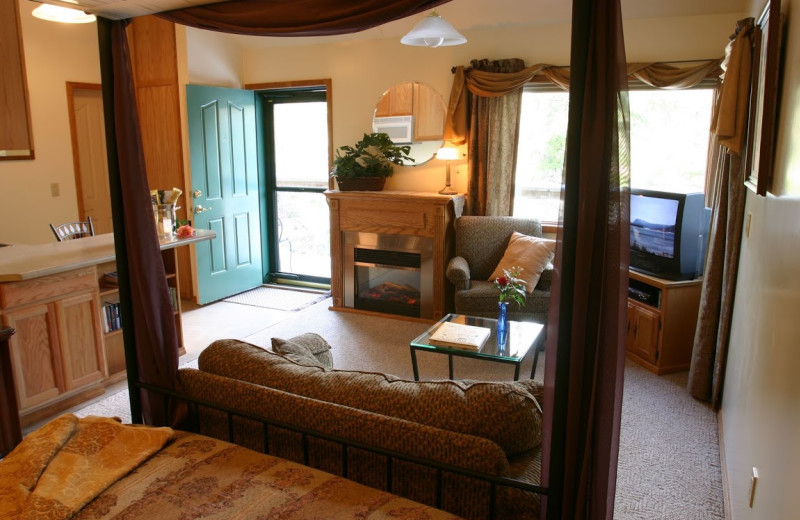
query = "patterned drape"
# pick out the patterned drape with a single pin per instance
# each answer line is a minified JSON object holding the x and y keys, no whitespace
{"x":709,"y":354}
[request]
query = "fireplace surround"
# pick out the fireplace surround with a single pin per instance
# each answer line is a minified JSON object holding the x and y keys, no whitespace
{"x":389,"y":252}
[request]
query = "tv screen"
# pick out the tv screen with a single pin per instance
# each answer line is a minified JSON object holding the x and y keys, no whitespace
{"x":653,"y":225}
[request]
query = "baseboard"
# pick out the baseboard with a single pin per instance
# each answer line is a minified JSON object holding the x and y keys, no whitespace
{"x":723,"y":466}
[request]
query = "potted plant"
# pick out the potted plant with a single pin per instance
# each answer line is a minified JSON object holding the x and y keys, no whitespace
{"x":366,"y":165}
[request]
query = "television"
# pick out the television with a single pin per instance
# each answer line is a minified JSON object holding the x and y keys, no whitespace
{"x":669,"y":232}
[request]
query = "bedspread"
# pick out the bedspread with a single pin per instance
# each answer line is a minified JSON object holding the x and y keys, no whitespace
{"x":195,"y":476}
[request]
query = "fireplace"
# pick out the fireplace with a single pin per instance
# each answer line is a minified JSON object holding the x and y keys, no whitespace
{"x":391,"y":274}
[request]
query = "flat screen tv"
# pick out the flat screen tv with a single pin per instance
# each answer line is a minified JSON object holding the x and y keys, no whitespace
{"x":669,"y":232}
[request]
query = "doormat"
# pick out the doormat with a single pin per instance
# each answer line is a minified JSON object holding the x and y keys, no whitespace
{"x":278,"y":299}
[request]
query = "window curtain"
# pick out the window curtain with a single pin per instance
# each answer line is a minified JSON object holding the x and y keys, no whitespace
{"x":492,"y":144}
{"x":586,"y":325}
{"x":484,"y":110}
{"x":709,"y":353}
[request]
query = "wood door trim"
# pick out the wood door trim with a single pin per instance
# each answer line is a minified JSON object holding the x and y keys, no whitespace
{"x":73,"y":134}
{"x":328,"y":84}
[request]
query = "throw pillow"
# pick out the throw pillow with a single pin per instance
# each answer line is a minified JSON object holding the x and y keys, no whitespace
{"x":532,"y":254}
{"x":305,"y":346}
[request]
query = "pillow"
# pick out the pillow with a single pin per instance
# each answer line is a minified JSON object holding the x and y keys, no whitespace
{"x":305,"y":347}
{"x":532,"y":254}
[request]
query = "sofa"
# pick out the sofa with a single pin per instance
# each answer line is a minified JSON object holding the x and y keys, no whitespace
{"x":492,"y":428}
{"x":481,"y":246}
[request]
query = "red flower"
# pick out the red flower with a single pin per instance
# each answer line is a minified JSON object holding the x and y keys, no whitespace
{"x":502,"y":281}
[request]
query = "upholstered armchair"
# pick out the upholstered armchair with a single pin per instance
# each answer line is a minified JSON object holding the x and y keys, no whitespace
{"x":481,"y":243}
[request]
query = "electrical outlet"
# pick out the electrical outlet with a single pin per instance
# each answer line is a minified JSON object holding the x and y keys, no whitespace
{"x":55,"y":189}
{"x":753,"y":481}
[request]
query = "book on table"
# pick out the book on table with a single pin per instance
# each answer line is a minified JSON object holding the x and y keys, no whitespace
{"x":458,"y":335}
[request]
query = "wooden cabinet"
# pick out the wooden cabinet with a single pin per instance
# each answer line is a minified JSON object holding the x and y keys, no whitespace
{"x":57,"y":353}
{"x":662,"y":316}
{"x":397,"y":101}
{"x":419,"y":100}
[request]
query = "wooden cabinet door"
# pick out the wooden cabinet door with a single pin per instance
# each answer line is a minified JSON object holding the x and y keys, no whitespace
{"x":397,"y":101}
{"x":35,"y":354}
{"x":80,"y":336}
{"x":429,"y":114}
{"x":645,"y":331}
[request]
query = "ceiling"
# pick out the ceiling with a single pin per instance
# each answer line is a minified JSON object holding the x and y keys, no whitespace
{"x":465,"y":15}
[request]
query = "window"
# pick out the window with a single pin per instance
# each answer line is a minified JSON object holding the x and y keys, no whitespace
{"x":669,"y":144}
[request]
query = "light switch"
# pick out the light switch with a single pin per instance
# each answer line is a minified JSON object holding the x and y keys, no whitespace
{"x":55,"y":189}
{"x":747,"y":225}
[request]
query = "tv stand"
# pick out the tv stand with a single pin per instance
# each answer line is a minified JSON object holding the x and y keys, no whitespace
{"x":662,"y":317}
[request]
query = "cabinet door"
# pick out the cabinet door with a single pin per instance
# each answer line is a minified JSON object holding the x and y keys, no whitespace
{"x":645,"y":333}
{"x":35,"y":354}
{"x":397,"y":101}
{"x":79,"y":335}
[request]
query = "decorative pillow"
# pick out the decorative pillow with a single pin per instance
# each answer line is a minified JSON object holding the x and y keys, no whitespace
{"x":532,"y":254}
{"x":304,"y":347}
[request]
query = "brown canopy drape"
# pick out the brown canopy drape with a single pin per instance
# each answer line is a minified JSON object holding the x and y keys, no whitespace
{"x":148,"y":328}
{"x":586,"y":325}
{"x":148,"y":324}
{"x":297,"y":17}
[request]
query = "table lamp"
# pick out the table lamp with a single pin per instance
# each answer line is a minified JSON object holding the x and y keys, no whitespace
{"x":447,"y":153}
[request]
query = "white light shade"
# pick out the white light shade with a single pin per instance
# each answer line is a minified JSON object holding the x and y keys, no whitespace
{"x":55,"y":13}
{"x":447,"y":153}
{"x":433,"y":31}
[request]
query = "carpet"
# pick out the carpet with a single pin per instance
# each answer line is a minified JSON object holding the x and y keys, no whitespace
{"x":669,"y":466}
{"x":277,"y":298}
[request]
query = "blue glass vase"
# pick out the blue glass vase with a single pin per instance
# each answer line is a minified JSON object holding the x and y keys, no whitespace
{"x":502,"y":325}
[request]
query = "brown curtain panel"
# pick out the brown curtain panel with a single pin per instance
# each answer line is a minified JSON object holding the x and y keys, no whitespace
{"x":151,"y":340}
{"x":586,"y":325}
{"x":709,"y":353}
{"x":492,"y":152}
{"x":297,"y":17}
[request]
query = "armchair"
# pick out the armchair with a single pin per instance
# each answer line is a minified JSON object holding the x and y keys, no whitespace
{"x":480,"y":245}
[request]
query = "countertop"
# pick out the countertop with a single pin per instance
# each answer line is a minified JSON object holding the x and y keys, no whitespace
{"x":24,"y":262}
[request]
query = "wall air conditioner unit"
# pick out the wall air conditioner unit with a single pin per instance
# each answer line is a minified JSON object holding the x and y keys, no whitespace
{"x":399,"y":128}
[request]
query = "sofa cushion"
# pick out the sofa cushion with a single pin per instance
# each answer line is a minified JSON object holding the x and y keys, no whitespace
{"x":305,"y":347}
{"x":532,"y":254}
{"x":502,"y":412}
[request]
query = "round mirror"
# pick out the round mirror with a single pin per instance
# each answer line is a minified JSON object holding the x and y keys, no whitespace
{"x":412,"y":113}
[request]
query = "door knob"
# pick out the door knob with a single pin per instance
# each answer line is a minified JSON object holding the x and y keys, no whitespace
{"x":197,"y":194}
{"x":200,"y":209}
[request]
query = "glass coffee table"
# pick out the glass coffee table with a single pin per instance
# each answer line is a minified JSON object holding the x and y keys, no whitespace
{"x":522,"y":337}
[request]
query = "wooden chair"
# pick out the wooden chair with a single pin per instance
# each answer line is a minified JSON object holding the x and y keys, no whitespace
{"x":71,"y":230}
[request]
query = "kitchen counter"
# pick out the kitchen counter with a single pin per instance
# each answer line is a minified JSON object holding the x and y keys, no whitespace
{"x":25,"y":262}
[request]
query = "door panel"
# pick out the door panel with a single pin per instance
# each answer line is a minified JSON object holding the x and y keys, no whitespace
{"x":222,"y":143}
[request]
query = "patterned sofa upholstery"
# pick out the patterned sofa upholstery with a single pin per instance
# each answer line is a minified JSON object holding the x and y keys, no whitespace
{"x":489,"y":427}
{"x":480,"y":244}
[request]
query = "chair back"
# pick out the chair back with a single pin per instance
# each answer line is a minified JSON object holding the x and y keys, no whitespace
{"x":482,"y":241}
{"x":71,"y":230}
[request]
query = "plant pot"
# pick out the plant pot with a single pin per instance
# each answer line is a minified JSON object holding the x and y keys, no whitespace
{"x":361,"y":183}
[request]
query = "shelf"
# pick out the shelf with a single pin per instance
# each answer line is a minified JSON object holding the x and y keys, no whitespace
{"x":112,"y":333}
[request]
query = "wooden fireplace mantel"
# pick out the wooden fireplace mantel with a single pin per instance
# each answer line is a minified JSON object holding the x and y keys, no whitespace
{"x":396,"y":213}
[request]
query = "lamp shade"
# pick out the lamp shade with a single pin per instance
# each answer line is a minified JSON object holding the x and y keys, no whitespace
{"x":447,"y":153}
{"x":433,"y":31}
{"x":56,"y":13}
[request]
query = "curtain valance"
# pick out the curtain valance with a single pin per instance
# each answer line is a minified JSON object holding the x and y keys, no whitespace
{"x":296,"y":17}
{"x":493,"y":84}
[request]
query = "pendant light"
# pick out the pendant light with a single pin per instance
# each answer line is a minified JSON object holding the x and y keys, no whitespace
{"x":56,"y":13}
{"x":433,"y":31}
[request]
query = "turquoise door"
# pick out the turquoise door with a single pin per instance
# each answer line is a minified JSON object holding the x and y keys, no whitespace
{"x":224,"y":161}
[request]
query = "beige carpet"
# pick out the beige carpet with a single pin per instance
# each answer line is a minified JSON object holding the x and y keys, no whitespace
{"x":669,"y":465}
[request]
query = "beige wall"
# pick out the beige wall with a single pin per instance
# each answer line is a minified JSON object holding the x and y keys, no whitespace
{"x":760,"y":417}
{"x":362,"y":71}
{"x":54,"y":54}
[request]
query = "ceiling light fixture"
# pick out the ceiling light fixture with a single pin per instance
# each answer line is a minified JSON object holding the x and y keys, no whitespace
{"x":433,"y":31}
{"x":56,"y":13}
